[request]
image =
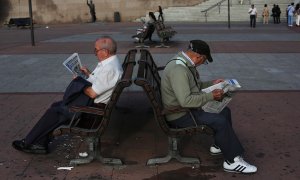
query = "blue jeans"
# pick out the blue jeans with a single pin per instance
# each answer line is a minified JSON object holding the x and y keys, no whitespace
{"x":225,"y":136}
{"x":290,"y":20}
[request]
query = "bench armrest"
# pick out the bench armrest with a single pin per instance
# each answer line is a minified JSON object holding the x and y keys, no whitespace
{"x":87,"y":109}
{"x":161,"y":68}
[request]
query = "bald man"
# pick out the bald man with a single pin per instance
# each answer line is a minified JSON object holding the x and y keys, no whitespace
{"x":99,"y":87}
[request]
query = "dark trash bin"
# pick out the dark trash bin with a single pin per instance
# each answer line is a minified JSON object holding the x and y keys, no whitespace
{"x":117,"y":17}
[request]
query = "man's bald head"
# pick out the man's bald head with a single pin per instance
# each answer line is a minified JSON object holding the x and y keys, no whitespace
{"x":108,"y":43}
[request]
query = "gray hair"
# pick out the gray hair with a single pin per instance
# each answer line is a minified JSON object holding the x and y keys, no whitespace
{"x":106,"y":42}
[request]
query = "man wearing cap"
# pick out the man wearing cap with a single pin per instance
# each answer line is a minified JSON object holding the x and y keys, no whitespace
{"x":181,"y":87}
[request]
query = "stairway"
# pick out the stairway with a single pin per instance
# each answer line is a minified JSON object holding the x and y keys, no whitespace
{"x":238,"y":12}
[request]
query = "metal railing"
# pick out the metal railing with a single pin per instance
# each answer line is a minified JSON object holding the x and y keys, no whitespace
{"x":211,"y":7}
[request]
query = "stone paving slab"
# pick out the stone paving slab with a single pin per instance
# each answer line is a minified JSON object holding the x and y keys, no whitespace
{"x":266,"y":59}
{"x":124,"y":47}
{"x":267,"y":129}
{"x":259,"y":71}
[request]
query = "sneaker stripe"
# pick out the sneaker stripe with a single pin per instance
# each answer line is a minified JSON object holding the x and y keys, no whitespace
{"x":236,"y":168}
{"x":227,"y":162}
{"x":243,"y":169}
{"x":239,"y":168}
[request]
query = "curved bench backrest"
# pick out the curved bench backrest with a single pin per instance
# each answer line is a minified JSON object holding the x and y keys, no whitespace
{"x":125,"y":81}
{"x":149,"y":79}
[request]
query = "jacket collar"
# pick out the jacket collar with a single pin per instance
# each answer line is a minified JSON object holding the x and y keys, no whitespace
{"x":185,"y":57}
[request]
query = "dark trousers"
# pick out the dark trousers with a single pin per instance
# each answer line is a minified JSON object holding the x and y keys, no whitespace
{"x":252,"y":21}
{"x":225,"y":136}
{"x":55,"y":116}
{"x":277,"y":19}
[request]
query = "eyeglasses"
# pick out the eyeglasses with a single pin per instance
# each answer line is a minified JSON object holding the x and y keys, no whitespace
{"x":205,"y":62}
{"x":205,"y":59}
{"x":97,"y":50}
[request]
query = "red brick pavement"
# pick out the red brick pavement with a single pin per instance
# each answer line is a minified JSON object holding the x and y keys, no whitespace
{"x":267,"y":123}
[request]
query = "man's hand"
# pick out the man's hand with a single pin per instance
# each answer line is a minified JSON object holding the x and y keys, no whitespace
{"x":218,"y":81}
{"x":218,"y":94}
{"x":90,"y":92}
{"x":85,"y":70}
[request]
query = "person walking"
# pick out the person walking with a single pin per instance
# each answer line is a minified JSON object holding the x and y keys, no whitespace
{"x":253,"y":14}
{"x":265,"y":14}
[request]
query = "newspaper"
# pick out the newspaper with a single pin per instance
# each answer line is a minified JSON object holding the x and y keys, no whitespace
{"x":73,"y":64}
{"x":228,"y":86}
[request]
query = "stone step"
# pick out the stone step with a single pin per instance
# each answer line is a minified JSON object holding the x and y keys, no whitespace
{"x":238,"y":12}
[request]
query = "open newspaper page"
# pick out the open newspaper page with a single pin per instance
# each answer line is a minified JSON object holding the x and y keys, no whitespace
{"x":73,"y":64}
{"x":228,"y":86}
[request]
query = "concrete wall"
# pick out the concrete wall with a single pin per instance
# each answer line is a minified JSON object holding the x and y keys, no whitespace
{"x":5,"y":7}
{"x":76,"y":11}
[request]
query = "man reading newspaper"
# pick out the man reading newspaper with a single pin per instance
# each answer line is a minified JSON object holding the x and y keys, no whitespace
{"x":228,"y":86}
{"x":98,"y":86}
{"x":182,"y":87}
{"x":73,"y":64}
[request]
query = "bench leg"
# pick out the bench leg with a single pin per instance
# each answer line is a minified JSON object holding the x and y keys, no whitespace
{"x":94,"y":153}
{"x":162,"y":45}
{"x":173,"y":152}
{"x":142,"y":46}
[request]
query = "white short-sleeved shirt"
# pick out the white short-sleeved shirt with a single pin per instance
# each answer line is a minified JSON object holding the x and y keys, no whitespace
{"x":104,"y":78}
{"x":252,"y":11}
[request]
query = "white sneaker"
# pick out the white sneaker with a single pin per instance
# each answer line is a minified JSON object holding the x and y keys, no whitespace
{"x":239,"y":166}
{"x":215,"y":150}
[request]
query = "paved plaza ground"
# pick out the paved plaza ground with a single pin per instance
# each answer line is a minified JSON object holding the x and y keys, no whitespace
{"x":265,"y":111}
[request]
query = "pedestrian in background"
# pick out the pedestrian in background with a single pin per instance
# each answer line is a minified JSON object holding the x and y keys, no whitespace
{"x":274,"y":13}
{"x":297,"y":13}
{"x":253,"y":14}
{"x":278,"y":12}
{"x":290,"y":13}
{"x":265,"y":14}
{"x":161,"y":14}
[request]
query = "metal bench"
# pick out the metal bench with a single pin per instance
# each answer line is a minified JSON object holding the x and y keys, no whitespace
{"x":23,"y":22}
{"x":164,"y":33}
{"x":90,"y":122}
{"x":149,"y":79}
{"x":144,"y":33}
